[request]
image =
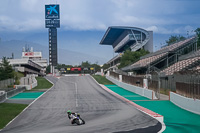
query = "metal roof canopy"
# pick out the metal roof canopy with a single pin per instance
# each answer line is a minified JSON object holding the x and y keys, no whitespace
{"x":113,"y":33}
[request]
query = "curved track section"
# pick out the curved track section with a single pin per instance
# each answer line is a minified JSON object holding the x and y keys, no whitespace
{"x":102,"y":111}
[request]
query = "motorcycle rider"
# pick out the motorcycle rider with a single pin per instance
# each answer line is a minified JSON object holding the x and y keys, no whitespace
{"x":72,"y":116}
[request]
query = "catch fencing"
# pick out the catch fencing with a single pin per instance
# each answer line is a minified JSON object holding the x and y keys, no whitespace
{"x":185,"y":83}
{"x":188,"y":83}
{"x":137,"y":81}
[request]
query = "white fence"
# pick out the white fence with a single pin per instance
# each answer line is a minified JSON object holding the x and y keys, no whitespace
{"x":189,"y":104}
{"x":138,"y":90}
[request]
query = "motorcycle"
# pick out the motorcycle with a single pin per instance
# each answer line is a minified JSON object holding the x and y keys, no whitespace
{"x":78,"y":120}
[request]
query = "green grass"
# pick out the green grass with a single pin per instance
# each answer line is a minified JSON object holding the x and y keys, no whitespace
{"x":102,"y":80}
{"x":20,"y":75}
{"x":8,"y":111}
{"x":42,"y":83}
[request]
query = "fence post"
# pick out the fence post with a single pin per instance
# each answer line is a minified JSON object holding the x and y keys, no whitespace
{"x":120,"y":78}
{"x":145,"y":83}
{"x":108,"y":73}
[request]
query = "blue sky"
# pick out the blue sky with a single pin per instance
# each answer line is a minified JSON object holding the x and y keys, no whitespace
{"x":84,"y":22}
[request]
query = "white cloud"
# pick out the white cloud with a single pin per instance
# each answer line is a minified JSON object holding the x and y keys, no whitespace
{"x":152,"y":28}
{"x":159,"y":16}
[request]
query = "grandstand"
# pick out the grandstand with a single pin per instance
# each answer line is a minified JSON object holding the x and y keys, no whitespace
{"x":191,"y":61}
{"x":165,"y":57}
{"x":123,"y":38}
{"x":27,"y":66}
{"x":30,"y":63}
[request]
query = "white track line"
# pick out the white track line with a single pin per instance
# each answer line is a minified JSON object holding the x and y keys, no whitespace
{"x":76,"y":95}
{"x":75,"y":84}
{"x":29,"y":105}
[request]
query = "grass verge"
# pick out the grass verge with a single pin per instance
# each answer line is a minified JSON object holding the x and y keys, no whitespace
{"x":42,"y":83}
{"x":9,"y":111}
{"x":102,"y":80}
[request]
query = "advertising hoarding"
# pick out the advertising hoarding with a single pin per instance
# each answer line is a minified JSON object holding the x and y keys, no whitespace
{"x":52,"y":23}
{"x":52,"y":12}
{"x":31,"y":54}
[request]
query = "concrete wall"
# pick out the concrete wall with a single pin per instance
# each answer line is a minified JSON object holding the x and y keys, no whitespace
{"x":189,"y":104}
{"x":5,"y":83}
{"x":28,"y":82}
{"x":138,"y":90}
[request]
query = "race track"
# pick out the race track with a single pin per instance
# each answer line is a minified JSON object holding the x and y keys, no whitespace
{"x":103,"y":112}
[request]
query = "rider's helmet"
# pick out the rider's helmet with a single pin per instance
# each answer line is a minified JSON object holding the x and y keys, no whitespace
{"x":69,"y":112}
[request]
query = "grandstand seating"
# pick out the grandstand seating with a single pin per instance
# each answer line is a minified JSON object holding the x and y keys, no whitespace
{"x":147,"y":61}
{"x":190,"y":55}
{"x":156,"y":56}
{"x":183,"y":64}
{"x":174,"y":46}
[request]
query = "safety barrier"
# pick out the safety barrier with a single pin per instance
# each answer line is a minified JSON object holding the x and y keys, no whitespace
{"x":189,"y":104}
{"x":138,"y":90}
{"x":11,"y":93}
{"x":15,"y":91}
{"x":2,"y":97}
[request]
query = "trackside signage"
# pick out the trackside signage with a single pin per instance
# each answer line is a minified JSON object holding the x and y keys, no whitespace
{"x":52,"y":23}
{"x":31,"y":54}
{"x":52,"y":12}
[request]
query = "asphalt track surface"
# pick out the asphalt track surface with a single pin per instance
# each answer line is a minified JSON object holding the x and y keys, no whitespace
{"x":103,"y":112}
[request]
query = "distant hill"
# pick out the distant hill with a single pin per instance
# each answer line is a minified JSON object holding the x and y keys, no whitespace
{"x":64,"y":56}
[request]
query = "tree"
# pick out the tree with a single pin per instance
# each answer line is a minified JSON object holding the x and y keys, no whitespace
{"x":130,"y":57}
{"x":85,"y":64}
{"x":174,"y":39}
{"x":6,"y":70}
{"x":48,"y":69}
{"x":96,"y":67}
{"x":105,"y":66}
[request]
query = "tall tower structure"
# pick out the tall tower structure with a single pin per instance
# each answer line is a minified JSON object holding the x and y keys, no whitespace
{"x":52,"y":22}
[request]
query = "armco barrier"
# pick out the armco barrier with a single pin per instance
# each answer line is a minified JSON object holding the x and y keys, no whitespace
{"x":2,"y":98}
{"x":15,"y":91}
{"x":138,"y":90}
{"x":189,"y":104}
{"x":11,"y":93}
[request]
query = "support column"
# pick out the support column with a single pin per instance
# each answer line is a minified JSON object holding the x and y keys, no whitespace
{"x":120,"y":78}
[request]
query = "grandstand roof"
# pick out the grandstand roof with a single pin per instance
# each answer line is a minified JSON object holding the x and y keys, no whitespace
{"x":114,"y":32}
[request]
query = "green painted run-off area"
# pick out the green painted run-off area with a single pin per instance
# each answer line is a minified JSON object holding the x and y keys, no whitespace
{"x":27,"y":95}
{"x":177,"y":120}
{"x":125,"y":93}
